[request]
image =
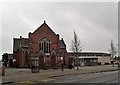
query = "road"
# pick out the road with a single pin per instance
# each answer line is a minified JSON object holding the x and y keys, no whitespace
{"x":103,"y":77}
{"x":15,"y":75}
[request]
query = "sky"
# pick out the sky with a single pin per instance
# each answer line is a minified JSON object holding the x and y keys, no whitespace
{"x":95,"y":23}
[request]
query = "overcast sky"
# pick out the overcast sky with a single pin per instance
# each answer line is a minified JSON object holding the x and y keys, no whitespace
{"x":96,"y":23}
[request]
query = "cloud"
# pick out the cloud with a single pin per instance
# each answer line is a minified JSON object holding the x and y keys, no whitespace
{"x":94,"y":22}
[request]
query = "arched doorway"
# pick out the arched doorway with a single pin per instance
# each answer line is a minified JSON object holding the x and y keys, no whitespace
{"x":27,"y":59}
{"x":53,"y":59}
{"x":41,"y":59}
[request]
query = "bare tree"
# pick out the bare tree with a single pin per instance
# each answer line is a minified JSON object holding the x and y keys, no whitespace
{"x":76,"y":47}
{"x":113,"y":51}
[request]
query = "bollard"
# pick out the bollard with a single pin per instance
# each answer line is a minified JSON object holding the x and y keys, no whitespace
{"x":62,"y":67}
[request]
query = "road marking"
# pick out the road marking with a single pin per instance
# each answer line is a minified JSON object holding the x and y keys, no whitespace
{"x":46,"y":80}
{"x":28,"y":81}
{"x":107,"y":82}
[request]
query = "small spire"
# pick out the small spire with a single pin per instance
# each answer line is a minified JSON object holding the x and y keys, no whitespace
{"x":44,"y":21}
{"x":20,"y":37}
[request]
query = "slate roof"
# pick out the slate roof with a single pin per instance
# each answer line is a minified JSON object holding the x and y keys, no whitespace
{"x":25,"y":42}
{"x":62,"y":43}
{"x":16,"y":43}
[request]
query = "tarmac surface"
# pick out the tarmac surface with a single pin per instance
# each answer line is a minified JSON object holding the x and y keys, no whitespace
{"x":102,"y":77}
{"x":22,"y":76}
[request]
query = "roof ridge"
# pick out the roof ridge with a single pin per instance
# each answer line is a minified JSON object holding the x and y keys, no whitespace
{"x":44,"y":24}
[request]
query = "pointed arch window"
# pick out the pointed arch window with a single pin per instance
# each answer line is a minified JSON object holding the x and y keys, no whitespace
{"x":44,"y":44}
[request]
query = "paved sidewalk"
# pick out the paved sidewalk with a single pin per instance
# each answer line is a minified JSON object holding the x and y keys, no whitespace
{"x":25,"y":75}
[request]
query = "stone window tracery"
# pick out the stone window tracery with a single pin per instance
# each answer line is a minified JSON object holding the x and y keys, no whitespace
{"x":44,"y":45}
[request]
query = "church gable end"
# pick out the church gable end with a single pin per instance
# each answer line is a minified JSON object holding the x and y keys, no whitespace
{"x":42,"y":45}
{"x":44,"y":28}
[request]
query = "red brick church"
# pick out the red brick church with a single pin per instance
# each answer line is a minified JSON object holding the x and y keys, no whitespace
{"x":43,"y":46}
